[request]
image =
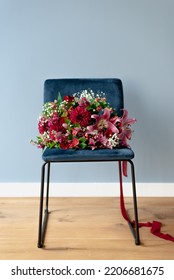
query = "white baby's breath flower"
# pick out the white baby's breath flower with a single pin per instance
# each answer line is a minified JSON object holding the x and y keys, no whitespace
{"x":76,"y":99}
{"x":88,"y":94}
{"x":114,"y":140}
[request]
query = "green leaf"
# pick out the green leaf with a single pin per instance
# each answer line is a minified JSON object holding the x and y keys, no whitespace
{"x":51,"y":145}
{"x":76,"y":125}
{"x":57,"y":145}
{"x":59,"y":99}
{"x":83,"y":145}
{"x":70,"y":137}
{"x":82,"y":139}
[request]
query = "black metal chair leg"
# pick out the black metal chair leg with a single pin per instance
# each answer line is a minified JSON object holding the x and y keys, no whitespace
{"x":137,"y":236}
{"x":41,"y":206}
{"x":135,"y":231}
{"x":48,"y":182}
{"x":43,"y":222}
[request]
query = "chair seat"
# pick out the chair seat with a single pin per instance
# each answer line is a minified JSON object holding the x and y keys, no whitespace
{"x":60,"y":155}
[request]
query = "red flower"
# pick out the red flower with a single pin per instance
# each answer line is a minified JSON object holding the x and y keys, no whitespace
{"x":56,"y":123}
{"x":80,"y":115}
{"x":42,"y":125}
{"x":68,"y":98}
{"x":73,"y":143}
{"x":52,"y":135}
{"x":64,"y":146}
{"x":68,"y":144}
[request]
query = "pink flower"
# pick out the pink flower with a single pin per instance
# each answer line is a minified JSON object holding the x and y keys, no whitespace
{"x":92,"y":143}
{"x":75,"y":131}
{"x":42,"y":125}
{"x":104,"y":122}
{"x":102,"y":139}
{"x":83,"y":102}
{"x":125,"y":131}
{"x":98,"y":141}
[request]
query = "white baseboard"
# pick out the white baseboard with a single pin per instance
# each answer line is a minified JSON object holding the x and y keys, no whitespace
{"x":86,"y":189}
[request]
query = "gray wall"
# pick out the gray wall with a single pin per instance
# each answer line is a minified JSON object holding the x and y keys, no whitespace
{"x":128,"y":39}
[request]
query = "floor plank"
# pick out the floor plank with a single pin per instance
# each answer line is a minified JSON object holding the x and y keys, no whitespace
{"x":84,"y":228}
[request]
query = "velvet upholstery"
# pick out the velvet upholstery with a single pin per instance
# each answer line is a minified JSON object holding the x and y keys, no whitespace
{"x":111,"y":87}
{"x":87,"y":155}
{"x":114,"y":94}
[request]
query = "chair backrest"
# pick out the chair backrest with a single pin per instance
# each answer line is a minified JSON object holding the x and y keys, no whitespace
{"x":111,"y":87}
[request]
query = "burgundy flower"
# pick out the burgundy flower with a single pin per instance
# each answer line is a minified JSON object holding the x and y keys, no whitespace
{"x":80,"y":115}
{"x":108,"y":133}
{"x":64,"y":145}
{"x":68,"y":98}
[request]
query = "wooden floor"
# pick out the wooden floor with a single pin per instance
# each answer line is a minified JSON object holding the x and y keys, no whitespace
{"x":84,"y":228}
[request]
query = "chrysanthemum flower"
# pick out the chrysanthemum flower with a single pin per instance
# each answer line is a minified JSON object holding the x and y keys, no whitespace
{"x":80,"y":115}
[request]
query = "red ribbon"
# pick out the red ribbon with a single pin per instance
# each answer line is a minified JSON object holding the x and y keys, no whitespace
{"x":155,"y":225}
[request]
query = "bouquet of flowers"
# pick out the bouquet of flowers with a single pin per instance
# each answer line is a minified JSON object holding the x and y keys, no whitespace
{"x":84,"y":120}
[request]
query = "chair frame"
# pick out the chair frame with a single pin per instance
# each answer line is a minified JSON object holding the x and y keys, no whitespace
{"x":43,"y":219}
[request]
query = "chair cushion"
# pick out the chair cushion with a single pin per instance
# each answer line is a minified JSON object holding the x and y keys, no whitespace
{"x":60,"y":155}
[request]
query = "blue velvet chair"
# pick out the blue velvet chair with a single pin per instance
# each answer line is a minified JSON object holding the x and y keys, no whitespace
{"x":114,"y":94}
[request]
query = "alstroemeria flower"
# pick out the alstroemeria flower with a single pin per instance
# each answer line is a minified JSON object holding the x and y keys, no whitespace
{"x":68,"y":144}
{"x":125,"y":129}
{"x":104,"y":122}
